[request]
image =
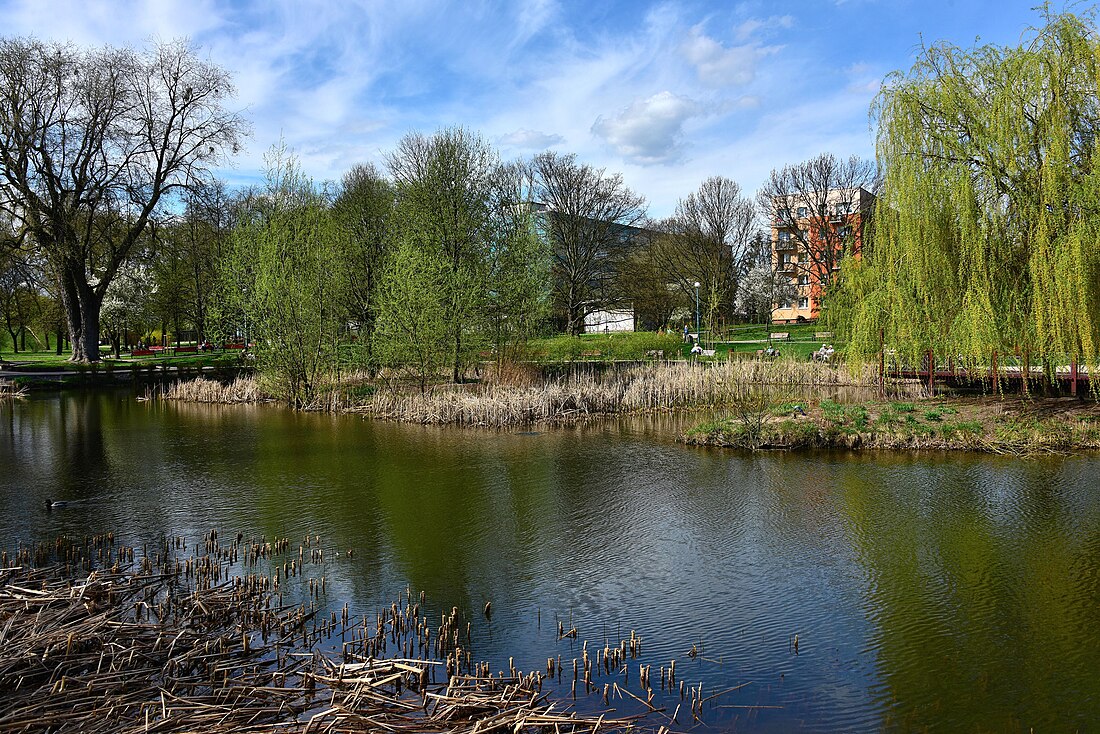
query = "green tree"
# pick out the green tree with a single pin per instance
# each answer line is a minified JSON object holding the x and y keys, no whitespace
{"x":989,"y":217}
{"x":365,"y":209}
{"x":285,"y":276}
{"x":518,"y":264}
{"x":414,"y":328}
{"x":444,"y":195}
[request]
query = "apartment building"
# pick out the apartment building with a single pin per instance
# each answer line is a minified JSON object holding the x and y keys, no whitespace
{"x":810,"y":235}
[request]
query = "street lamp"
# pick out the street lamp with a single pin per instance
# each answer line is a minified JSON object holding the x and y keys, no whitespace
{"x":697,"y":308}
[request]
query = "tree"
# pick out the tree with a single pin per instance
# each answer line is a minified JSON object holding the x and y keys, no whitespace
{"x":444,"y":193}
{"x":763,"y":285}
{"x":646,"y":282}
{"x":285,"y":275}
{"x":128,"y":306}
{"x":414,"y":328}
{"x":709,"y":240}
{"x":517,"y":265}
{"x":92,"y":144}
{"x":986,"y":236}
{"x":589,"y":222}
{"x":817,"y":208}
{"x":365,"y":209}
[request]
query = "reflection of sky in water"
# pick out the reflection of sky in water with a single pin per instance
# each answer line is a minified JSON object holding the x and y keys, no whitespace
{"x":926,"y":589}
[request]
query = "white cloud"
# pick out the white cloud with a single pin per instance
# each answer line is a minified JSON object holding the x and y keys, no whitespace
{"x":525,"y":139}
{"x":719,"y":66}
{"x":649,"y":130}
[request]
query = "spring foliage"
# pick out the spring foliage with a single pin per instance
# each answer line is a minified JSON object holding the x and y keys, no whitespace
{"x":988,"y":220}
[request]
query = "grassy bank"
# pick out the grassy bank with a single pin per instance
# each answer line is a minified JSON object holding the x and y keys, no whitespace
{"x":1006,"y":426}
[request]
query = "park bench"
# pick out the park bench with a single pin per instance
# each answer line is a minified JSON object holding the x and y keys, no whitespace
{"x":142,"y":353}
{"x":186,"y":350}
{"x":780,"y":336}
{"x":708,"y":353}
{"x":655,"y":353}
{"x":234,"y":346}
{"x":823,"y":335}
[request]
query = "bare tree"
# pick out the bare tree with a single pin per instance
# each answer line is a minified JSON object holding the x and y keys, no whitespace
{"x":818,"y":208}
{"x":591,"y":222}
{"x":92,"y":143}
{"x":709,"y":241}
{"x":646,"y":283}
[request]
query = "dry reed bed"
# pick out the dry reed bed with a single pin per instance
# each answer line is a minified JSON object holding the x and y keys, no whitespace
{"x":646,"y":388}
{"x":203,"y":390}
{"x":11,"y":391}
{"x":521,"y":399}
{"x":97,"y":637}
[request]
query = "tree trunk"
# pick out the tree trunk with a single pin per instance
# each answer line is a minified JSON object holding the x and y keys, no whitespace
{"x":70,"y":301}
{"x":86,"y":342}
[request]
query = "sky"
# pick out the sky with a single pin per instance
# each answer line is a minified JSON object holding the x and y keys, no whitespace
{"x":665,"y":93}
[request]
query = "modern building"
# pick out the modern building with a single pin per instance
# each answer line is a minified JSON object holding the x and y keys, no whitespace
{"x":810,"y":236}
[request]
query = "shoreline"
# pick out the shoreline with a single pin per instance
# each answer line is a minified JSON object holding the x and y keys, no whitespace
{"x":1007,"y":426}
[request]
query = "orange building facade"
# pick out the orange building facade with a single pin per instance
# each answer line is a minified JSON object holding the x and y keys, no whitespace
{"x":809,"y":237}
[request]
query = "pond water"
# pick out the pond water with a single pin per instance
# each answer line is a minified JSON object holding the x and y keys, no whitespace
{"x":927,"y":591}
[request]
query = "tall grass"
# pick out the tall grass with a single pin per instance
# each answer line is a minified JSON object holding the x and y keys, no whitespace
{"x":517,"y":395}
{"x":202,"y":390}
{"x":642,"y":388}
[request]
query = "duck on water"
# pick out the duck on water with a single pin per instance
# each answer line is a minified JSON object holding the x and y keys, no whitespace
{"x":61,"y":504}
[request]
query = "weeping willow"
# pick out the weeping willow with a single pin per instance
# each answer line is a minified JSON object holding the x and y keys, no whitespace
{"x":987,"y":224}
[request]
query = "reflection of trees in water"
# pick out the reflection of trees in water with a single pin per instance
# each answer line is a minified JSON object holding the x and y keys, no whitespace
{"x":981,"y":585}
{"x":80,"y":455}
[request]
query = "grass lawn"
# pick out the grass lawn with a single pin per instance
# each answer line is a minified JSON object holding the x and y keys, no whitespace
{"x":741,"y":340}
{"x":50,"y":361}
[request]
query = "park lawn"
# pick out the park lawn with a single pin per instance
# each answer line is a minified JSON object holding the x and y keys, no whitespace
{"x":747,"y":332}
{"x":50,"y":361}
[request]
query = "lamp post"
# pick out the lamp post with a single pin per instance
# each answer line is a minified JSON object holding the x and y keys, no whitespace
{"x":697,"y":308}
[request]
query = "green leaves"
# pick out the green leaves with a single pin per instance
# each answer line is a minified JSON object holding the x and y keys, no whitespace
{"x":985,"y":234}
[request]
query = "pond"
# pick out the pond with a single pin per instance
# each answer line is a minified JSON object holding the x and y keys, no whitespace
{"x":949,"y":592}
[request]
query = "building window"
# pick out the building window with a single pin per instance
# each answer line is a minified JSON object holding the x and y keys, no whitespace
{"x":803,"y":280}
{"x":802,"y":212}
{"x":784,"y":237}
{"x":842,"y":207}
{"x":803,"y":302}
{"x":784,"y":304}
{"x":787,"y":260}
{"x":844,"y":232}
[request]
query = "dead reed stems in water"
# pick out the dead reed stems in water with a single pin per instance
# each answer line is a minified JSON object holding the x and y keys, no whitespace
{"x":99,"y":637}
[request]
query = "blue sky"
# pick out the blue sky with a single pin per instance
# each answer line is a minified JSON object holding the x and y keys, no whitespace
{"x":667,"y":93}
